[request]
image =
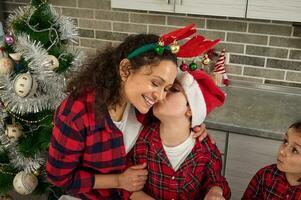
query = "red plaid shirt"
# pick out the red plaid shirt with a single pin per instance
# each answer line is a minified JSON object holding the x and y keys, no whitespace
{"x":81,"y":147}
{"x":200,"y":171}
{"x":270,"y":184}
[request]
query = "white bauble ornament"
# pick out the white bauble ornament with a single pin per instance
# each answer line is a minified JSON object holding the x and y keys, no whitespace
{"x":14,"y":132}
{"x":52,"y":62}
{"x":24,"y":85}
{"x":25,"y":183}
{"x":6,"y":65}
{"x":15,"y":56}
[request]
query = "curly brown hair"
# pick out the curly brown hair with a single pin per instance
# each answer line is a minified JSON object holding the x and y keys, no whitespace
{"x":102,"y":73}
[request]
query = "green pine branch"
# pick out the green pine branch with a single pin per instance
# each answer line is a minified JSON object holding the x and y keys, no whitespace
{"x":7,"y":174}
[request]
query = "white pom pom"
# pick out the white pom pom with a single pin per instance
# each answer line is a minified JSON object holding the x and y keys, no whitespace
{"x":186,"y":79}
{"x":25,"y":183}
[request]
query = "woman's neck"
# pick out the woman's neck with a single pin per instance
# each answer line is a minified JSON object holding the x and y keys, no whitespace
{"x":116,"y":111}
{"x":293,"y":179}
{"x":174,"y":131}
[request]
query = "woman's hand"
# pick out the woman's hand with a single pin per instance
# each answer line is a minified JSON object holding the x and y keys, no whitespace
{"x":140,"y":196}
{"x":200,"y":132}
{"x":133,"y":178}
{"x":215,"y":193}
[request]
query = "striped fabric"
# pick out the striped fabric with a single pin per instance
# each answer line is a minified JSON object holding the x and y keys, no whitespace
{"x":220,"y":63}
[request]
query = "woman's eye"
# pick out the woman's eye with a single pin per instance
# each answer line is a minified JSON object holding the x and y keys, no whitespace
{"x":155,"y":84}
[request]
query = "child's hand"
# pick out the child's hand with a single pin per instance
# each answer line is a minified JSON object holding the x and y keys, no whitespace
{"x":215,"y":193}
{"x":133,"y":178}
{"x":200,"y":132}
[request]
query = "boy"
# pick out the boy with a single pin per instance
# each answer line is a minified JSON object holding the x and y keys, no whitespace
{"x":179,"y":166}
{"x":281,"y":180}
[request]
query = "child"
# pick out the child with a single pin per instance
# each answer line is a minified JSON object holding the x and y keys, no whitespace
{"x":281,"y":180}
{"x":179,"y":166}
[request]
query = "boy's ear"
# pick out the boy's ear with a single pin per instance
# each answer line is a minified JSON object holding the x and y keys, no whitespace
{"x":188,"y":112}
{"x":124,"y":68}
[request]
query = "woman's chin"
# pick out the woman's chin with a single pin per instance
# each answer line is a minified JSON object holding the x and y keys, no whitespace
{"x":143,"y":109}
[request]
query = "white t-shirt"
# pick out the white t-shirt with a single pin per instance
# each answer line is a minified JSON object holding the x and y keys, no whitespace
{"x":177,"y":155}
{"x":130,"y":127}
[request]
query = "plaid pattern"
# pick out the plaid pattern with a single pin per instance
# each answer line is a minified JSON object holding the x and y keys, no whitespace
{"x":270,"y":184}
{"x":200,"y":171}
{"x":81,"y":147}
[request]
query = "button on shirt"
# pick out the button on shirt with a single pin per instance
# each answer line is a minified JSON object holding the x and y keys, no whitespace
{"x":269,"y":183}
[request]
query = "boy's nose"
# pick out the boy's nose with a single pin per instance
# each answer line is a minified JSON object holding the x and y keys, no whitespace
{"x":282,"y":152}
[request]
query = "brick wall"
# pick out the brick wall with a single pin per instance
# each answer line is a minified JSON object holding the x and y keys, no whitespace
{"x":260,"y":51}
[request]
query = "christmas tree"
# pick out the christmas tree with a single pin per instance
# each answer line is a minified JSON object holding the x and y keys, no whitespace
{"x":36,"y":59}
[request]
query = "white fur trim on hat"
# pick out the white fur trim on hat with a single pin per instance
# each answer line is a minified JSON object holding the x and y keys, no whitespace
{"x":195,"y":98}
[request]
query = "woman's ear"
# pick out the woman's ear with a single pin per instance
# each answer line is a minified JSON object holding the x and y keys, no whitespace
{"x":124,"y":68}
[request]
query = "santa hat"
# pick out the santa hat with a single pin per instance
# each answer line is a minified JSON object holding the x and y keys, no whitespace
{"x":202,"y":94}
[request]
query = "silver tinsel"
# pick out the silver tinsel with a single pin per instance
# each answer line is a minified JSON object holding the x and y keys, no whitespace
{"x":67,"y":28}
{"x":29,"y":165}
{"x":16,"y":104}
{"x":54,"y":82}
{"x":23,"y":12}
{"x":50,"y":83}
{"x":49,"y":92}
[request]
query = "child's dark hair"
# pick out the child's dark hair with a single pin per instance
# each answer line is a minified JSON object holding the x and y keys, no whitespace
{"x":296,"y":126}
{"x":102,"y":74}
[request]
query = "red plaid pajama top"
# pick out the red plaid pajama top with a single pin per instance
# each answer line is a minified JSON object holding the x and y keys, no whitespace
{"x":200,"y":171}
{"x":81,"y":147}
{"x":270,"y":184}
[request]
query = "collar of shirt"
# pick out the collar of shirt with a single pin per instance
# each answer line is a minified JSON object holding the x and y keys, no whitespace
{"x":153,"y":138}
{"x":280,"y":176}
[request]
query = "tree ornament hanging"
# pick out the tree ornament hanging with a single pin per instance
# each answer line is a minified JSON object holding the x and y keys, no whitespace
{"x":193,"y":66}
{"x":6,"y":65}
{"x":25,"y":183}
{"x":52,"y":62}
{"x":9,"y":39}
{"x":14,"y":132}
{"x":24,"y":85}
{"x":184,"y":66}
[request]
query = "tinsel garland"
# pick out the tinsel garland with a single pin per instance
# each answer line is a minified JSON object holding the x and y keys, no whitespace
{"x":50,"y":83}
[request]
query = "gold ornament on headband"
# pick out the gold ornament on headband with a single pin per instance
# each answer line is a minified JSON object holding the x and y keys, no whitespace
{"x":175,"y":48}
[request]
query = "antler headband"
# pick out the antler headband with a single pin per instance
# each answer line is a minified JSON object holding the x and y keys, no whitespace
{"x":193,"y":47}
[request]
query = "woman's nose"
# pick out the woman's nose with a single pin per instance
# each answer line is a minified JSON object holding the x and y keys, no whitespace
{"x":160,"y":95}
